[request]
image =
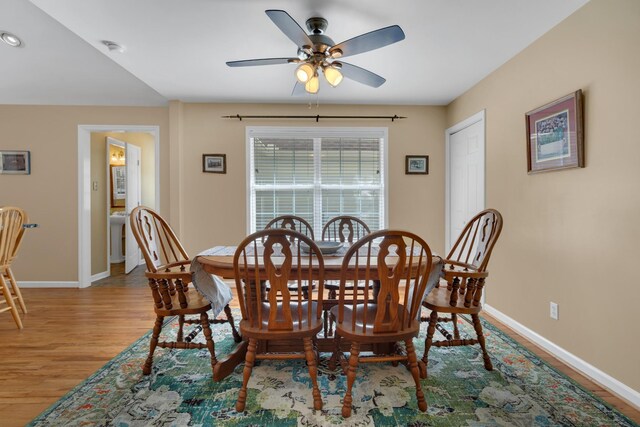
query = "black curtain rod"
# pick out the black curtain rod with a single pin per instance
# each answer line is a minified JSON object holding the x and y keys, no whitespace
{"x":317,"y":117}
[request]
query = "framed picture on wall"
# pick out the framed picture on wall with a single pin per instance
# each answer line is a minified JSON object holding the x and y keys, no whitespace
{"x":416,"y":165}
{"x":214,"y":163}
{"x":15,"y":162}
{"x":555,"y":135}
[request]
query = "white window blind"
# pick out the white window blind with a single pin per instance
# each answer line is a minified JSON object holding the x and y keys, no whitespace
{"x":317,"y":174}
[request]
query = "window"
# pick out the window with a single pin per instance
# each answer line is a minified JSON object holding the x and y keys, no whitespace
{"x":316,"y":173}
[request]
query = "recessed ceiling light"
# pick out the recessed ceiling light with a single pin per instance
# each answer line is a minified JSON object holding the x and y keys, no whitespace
{"x":10,"y":39}
{"x":113,"y":46}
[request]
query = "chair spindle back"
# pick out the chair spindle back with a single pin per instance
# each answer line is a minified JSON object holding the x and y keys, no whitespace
{"x":345,"y":229}
{"x":292,"y":222}
{"x":395,"y":293}
{"x":159,"y":244}
{"x":476,"y":242}
{"x":11,"y":231}
{"x":275,"y":255}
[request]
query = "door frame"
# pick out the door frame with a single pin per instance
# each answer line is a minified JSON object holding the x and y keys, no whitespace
{"x":478,"y":117}
{"x":84,"y":188}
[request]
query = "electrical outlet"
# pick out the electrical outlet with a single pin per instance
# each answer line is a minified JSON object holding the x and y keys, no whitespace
{"x":553,"y":310}
{"x":95,"y":185}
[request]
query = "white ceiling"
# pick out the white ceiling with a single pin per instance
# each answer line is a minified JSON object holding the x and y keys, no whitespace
{"x":178,"y":49}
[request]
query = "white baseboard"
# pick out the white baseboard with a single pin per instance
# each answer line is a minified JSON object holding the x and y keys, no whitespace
{"x":100,"y":276}
{"x":48,"y":284}
{"x":605,"y":380}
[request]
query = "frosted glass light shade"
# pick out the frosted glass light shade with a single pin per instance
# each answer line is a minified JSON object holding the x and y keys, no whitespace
{"x":305,"y":72}
{"x":333,"y":76}
{"x":312,"y":85}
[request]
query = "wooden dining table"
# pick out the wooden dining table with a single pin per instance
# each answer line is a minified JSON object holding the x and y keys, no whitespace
{"x":219,"y":262}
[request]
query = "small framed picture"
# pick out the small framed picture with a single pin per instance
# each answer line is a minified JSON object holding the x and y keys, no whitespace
{"x":554,"y":135}
{"x":15,"y":162}
{"x":214,"y":163}
{"x":416,"y":165}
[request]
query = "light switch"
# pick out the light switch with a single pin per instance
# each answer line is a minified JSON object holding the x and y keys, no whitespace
{"x":95,"y":185}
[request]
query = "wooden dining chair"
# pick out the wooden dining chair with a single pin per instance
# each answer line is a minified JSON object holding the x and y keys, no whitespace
{"x":275,"y":256}
{"x":388,"y":308}
{"x":345,"y":229}
{"x":465,"y":271}
{"x":295,"y":223}
{"x":12,"y":220}
{"x":169,"y":277}
{"x":292,"y":222}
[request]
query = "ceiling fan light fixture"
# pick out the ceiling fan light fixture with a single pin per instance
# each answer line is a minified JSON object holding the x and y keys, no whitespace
{"x":313,"y":84}
{"x":305,"y":72}
{"x":335,"y":53}
{"x":333,"y":75}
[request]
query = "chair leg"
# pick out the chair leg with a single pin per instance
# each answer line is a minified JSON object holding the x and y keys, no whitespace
{"x":180,"y":336}
{"x":478,"y":327}
{"x":16,"y":290}
{"x":433,"y":319}
{"x":206,"y":329}
{"x":454,"y":320}
{"x":313,"y":371}
{"x":325,"y":321}
{"x":10,"y":303}
{"x":248,"y":366}
{"x":415,"y":372}
{"x":332,"y":295}
{"x":351,"y":377}
{"x":333,"y":362}
{"x":234,"y":331}
{"x":146,"y":369}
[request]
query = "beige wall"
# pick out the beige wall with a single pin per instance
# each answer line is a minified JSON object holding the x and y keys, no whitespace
{"x":569,"y":235}
{"x":214,"y":207}
{"x":50,"y":193}
{"x":99,"y":233}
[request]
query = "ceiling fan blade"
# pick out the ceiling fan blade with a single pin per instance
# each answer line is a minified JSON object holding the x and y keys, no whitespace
{"x":264,"y":61}
{"x":369,"y":41}
{"x":289,"y":27}
{"x":361,"y":75}
{"x":298,"y":89}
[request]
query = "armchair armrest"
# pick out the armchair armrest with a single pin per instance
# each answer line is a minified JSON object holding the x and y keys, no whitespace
{"x":464,"y":279}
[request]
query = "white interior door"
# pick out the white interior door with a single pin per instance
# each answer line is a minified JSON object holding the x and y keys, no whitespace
{"x":465,"y":176}
{"x":132,"y":199}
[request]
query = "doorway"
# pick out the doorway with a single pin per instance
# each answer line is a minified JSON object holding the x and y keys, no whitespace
{"x":124,"y":192}
{"x":465,"y":174}
{"x":93,"y":221}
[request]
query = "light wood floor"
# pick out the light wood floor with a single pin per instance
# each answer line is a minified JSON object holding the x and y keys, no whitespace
{"x":71,"y":333}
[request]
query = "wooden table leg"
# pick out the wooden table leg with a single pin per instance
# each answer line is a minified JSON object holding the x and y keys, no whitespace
{"x":228,"y":364}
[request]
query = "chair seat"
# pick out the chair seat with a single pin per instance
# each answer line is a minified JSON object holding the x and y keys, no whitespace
{"x":306,"y":328}
{"x":344,"y":329}
{"x":438,"y":300}
{"x":196,"y":304}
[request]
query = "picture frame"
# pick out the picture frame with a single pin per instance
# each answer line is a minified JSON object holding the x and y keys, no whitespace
{"x":214,"y":163}
{"x":555,"y":136}
{"x":15,"y":162}
{"x":416,"y":165}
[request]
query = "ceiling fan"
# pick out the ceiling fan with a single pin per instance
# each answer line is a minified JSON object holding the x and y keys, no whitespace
{"x":317,"y":53}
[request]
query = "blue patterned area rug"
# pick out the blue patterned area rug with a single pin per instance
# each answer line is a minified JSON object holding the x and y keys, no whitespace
{"x":521,"y":391}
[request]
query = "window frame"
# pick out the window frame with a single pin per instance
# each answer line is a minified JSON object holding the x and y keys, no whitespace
{"x":316,"y":133}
